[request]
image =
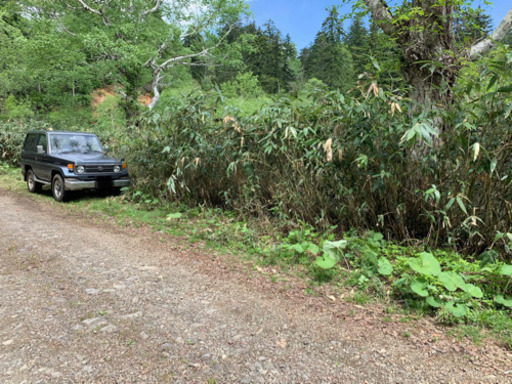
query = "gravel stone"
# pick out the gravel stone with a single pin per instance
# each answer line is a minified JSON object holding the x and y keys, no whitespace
{"x":94,"y":322}
{"x":108,"y":329}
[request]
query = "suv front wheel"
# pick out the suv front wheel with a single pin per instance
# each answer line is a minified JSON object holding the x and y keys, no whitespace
{"x":58,"y":191}
{"x":32,"y":185}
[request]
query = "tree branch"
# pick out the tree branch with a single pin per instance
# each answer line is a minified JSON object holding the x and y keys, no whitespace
{"x":381,"y":14}
{"x":96,"y":11}
{"x":152,"y":10}
{"x":158,"y":69}
{"x":92,"y":10}
{"x":65,"y":29}
{"x":484,"y":46}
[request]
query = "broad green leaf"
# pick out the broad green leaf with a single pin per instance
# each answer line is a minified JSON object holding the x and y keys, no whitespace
{"x":501,"y":300}
{"x":451,"y":280}
{"x":492,"y":82}
{"x":433,"y":302}
{"x":375,"y":63}
{"x":506,"y":270}
{"x":385,"y":267}
{"x":377,"y":236}
{"x":314,"y":249}
{"x":473,"y":290}
{"x":446,"y":279}
{"x":325,"y":262}
{"x":299,"y":248}
{"x":418,"y":287}
{"x":333,"y":248}
{"x":427,"y":264}
{"x":457,"y":310}
{"x":176,"y":215}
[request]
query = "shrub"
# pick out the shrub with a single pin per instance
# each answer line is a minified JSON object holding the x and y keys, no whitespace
{"x":12,"y":135}
{"x":337,"y":160}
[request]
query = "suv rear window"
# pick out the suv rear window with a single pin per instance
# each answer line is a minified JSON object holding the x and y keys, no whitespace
{"x":30,"y":142}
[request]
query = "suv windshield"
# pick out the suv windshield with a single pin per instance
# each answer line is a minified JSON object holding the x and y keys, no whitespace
{"x":65,"y":143}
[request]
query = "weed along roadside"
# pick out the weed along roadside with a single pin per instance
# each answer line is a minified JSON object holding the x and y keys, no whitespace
{"x":471,"y":299}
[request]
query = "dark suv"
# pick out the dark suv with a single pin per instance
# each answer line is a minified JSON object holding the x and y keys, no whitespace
{"x":69,"y":161}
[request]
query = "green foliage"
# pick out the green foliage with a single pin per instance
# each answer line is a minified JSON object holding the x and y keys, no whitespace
{"x":260,"y":51}
{"x":14,"y":110}
{"x":328,"y":59}
{"x":332,"y":253}
{"x":357,"y":42}
{"x":109,"y":116}
{"x":57,"y":55}
{"x":11,"y":139}
{"x":471,"y":24}
{"x":245,"y":107}
{"x":444,"y":284}
{"x":329,"y":159}
{"x":269,"y":58}
{"x":245,"y":85}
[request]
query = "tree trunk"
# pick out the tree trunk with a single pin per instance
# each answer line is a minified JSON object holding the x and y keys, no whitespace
{"x":431,"y":73}
{"x":424,"y":32}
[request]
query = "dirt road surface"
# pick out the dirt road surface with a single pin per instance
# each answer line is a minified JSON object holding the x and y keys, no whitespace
{"x":82,"y":302}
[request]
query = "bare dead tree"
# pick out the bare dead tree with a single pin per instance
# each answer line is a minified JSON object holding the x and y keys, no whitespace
{"x":484,"y":46}
{"x":184,"y":59}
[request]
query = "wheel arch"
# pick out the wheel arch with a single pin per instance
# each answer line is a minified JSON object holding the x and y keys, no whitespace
{"x":26,"y":168}
{"x":57,"y":171}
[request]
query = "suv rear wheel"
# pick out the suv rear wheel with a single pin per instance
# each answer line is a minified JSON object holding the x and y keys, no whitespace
{"x":58,"y":191}
{"x":32,"y":185}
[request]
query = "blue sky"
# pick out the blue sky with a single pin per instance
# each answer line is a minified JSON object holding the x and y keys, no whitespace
{"x":302,"y":19}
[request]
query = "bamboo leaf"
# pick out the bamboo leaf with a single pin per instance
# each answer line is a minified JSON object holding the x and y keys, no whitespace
{"x":461,"y":205}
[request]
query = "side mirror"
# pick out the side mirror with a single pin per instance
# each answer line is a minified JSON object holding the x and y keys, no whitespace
{"x":39,"y":150}
{"x":105,"y":150}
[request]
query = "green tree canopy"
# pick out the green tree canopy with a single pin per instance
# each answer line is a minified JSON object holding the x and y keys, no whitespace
{"x":328,"y":59}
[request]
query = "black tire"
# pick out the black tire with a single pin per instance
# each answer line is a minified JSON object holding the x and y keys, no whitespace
{"x":32,"y":185}
{"x":58,"y":191}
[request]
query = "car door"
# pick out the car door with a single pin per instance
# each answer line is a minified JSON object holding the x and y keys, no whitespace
{"x":42,"y":166}
{"x":28,"y":154}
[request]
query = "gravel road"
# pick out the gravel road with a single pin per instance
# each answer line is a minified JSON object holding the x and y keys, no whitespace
{"x":82,"y":302}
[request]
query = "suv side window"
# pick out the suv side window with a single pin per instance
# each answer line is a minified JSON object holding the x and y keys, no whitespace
{"x":30,"y":143}
{"x":42,"y":141}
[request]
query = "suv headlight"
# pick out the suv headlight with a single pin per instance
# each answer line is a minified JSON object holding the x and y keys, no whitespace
{"x":117,"y":168}
{"x":79,"y":169}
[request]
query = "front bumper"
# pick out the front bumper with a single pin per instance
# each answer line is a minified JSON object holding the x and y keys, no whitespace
{"x":77,"y":185}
